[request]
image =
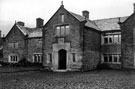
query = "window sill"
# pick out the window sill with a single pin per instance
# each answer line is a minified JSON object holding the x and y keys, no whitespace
{"x":112,"y":44}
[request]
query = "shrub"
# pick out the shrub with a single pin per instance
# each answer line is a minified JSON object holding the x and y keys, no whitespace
{"x":4,"y":63}
{"x":103,"y":66}
{"x":24,"y":63}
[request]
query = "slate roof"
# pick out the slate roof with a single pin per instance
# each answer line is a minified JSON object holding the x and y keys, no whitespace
{"x":89,"y":23}
{"x":110,"y":24}
{"x":31,"y":32}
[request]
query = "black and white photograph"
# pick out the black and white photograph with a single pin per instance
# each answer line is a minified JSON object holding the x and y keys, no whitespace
{"x":67,"y":44}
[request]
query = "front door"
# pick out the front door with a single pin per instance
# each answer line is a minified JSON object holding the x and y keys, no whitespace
{"x":62,"y":59}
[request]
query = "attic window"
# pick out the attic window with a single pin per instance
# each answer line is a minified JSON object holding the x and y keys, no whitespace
{"x":62,"y":18}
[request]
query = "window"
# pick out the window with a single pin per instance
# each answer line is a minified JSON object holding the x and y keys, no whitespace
{"x":62,"y":18}
{"x":37,"y":58}
{"x":112,"y":58}
{"x":13,"y":58}
{"x":113,"y":38}
{"x":49,"y":58}
{"x":62,"y":30}
{"x":13,"y":45}
{"x":73,"y":57}
{"x":39,"y":43}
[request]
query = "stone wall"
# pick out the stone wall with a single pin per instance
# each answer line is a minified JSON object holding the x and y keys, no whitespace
{"x":14,"y":36}
{"x":50,"y":38}
{"x":92,"y":44}
{"x":33,"y":47}
{"x":127,"y":42}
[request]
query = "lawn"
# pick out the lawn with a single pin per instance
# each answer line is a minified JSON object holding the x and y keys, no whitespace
{"x":105,"y":79}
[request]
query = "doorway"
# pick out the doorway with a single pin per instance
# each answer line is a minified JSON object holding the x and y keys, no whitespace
{"x":62,"y":59}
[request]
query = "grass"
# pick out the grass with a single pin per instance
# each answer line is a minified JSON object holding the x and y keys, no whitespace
{"x":104,"y":79}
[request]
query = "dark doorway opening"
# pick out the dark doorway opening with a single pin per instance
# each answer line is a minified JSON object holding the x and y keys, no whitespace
{"x":62,"y":59}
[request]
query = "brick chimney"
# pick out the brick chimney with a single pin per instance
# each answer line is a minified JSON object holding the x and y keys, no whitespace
{"x":20,"y":23}
{"x":85,"y":14}
{"x":39,"y":22}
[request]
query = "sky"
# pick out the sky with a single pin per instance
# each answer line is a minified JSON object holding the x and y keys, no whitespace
{"x":28,"y":10}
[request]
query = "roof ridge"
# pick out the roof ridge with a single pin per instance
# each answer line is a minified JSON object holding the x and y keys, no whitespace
{"x":111,"y":18}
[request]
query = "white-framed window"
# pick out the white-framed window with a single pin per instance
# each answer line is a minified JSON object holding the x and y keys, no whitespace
{"x":13,"y":45}
{"x":62,"y":17}
{"x":112,"y":58}
{"x":62,"y":30}
{"x":49,"y":58}
{"x":112,"y":38}
{"x":73,"y":57}
{"x":37,"y":58}
{"x":13,"y":58}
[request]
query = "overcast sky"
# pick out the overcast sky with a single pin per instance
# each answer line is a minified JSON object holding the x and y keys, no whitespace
{"x":28,"y":10}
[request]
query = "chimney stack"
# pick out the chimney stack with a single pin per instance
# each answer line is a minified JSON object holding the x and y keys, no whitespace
{"x":39,"y":22}
{"x":85,"y":14}
{"x":20,"y":23}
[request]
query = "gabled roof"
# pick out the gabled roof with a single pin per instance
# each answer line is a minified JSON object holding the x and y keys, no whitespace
{"x":31,"y":32}
{"x":89,"y":23}
{"x":80,"y":18}
{"x":36,"y":33}
{"x":110,"y":24}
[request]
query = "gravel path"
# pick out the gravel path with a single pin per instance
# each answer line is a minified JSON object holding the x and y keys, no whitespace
{"x":106,"y":79}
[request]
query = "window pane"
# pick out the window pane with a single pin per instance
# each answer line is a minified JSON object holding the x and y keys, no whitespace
{"x":110,"y":58}
{"x":115,"y":58}
{"x":62,"y":30}
{"x":110,"y":39}
{"x":120,"y":38}
{"x":62,"y":18}
{"x":73,"y":56}
{"x":58,"y":31}
{"x":105,"y":58}
{"x":67,"y":30}
{"x":115,"y":38}
{"x":105,"y":40}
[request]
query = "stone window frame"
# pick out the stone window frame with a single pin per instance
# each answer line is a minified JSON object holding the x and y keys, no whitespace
{"x":13,"y":45}
{"x":111,"y":58}
{"x":39,"y":43}
{"x":49,"y":57}
{"x":62,"y":30}
{"x":75,"y":56}
{"x":39,"y":60}
{"x":62,"y":18}
{"x":13,"y":58}
{"x":110,"y":39}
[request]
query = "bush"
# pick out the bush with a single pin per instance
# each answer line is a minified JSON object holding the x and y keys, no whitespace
{"x":4,"y":63}
{"x":24,"y":63}
{"x":103,"y":66}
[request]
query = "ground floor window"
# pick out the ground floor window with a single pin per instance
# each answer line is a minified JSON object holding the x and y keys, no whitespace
{"x":49,"y":58}
{"x":37,"y":58}
{"x":112,"y":58}
{"x":13,"y":58}
{"x":73,"y":57}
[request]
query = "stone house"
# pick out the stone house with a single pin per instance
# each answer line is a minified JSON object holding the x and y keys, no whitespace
{"x":23,"y":42}
{"x":71,"y":42}
{"x":128,"y":41}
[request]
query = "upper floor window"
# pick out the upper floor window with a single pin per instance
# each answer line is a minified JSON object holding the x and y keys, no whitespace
{"x":62,"y":18}
{"x":115,"y":38}
{"x":13,"y":45}
{"x":39,"y":43}
{"x":62,"y":30}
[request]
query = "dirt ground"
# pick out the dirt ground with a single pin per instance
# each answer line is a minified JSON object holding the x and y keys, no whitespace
{"x":104,"y":79}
